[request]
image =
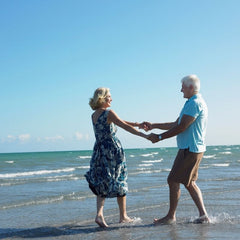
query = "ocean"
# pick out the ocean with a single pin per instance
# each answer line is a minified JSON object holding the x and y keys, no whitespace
{"x":45,"y":195}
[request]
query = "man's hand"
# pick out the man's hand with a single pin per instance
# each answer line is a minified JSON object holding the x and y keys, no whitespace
{"x":146,"y":126}
{"x":153,"y":138}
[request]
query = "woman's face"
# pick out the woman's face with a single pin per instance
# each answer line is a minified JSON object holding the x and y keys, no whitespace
{"x":108,"y":100}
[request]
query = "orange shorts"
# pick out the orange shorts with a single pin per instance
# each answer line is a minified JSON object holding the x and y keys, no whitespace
{"x":185,"y":167}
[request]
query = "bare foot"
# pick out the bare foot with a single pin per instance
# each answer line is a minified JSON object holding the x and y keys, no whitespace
{"x":126,"y":220}
{"x":165,"y":220}
{"x":101,"y":222}
{"x":202,"y":219}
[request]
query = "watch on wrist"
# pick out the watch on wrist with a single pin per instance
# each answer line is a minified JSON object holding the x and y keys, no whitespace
{"x":160,"y":137}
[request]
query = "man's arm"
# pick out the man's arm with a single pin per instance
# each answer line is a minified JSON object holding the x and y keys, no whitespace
{"x":163,"y":126}
{"x":186,"y":121}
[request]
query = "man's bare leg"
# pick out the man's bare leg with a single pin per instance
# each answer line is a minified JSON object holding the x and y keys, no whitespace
{"x":174,"y":195}
{"x":196,"y":195}
{"x":123,"y":210}
{"x":99,"y":218}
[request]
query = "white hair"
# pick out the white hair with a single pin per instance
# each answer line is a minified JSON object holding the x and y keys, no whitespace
{"x":192,"y":80}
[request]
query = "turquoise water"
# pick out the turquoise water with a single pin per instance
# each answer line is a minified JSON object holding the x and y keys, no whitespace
{"x":46,"y":195}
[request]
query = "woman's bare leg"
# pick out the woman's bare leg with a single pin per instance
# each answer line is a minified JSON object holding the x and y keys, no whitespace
{"x":122,"y":210}
{"x":99,"y":217}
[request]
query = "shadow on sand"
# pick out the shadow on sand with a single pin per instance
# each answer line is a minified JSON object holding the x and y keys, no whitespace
{"x":65,"y":230}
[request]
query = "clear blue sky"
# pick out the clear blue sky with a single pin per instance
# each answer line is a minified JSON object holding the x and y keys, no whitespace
{"x":55,"y":53}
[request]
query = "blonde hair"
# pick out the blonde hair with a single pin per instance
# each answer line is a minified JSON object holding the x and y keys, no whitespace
{"x":192,"y":80}
{"x":98,"y":98}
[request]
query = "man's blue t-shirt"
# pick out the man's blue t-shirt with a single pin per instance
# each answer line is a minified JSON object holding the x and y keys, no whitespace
{"x":194,"y":136}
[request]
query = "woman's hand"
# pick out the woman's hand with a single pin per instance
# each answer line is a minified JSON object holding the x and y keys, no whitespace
{"x":145,"y":125}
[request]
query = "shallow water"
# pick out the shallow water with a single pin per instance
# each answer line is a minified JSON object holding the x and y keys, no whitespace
{"x":46,"y":195}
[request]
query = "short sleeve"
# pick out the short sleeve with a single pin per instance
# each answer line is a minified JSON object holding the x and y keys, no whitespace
{"x":192,"y":109}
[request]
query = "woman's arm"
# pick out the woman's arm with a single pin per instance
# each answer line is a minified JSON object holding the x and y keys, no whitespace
{"x":133,"y":124}
{"x":128,"y":126}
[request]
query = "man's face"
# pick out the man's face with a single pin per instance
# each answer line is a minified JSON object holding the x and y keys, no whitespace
{"x":187,"y":91}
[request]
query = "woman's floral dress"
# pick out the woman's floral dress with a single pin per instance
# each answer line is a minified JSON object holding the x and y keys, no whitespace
{"x":107,"y":176}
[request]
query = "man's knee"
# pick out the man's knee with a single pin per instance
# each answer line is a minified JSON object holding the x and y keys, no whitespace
{"x":190,"y":186}
{"x":172,"y":183}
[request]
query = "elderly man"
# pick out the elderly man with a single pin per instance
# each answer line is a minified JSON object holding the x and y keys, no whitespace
{"x":190,"y":129}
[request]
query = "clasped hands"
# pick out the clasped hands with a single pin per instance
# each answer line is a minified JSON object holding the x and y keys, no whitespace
{"x":148,"y":126}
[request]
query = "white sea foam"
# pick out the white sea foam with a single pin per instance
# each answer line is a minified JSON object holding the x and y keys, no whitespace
{"x":210,"y":156}
{"x":32,"y":173}
{"x":146,"y":155}
{"x":226,"y":153}
{"x":82,"y":167}
{"x":145,"y":165}
{"x":131,"y":155}
{"x":84,"y":157}
{"x":5,"y":184}
{"x":34,"y":202}
{"x":153,"y":161}
{"x":48,"y":200}
{"x":204,"y":167}
{"x":220,"y":164}
{"x":223,"y":218}
{"x":150,"y":170}
{"x":70,"y":177}
{"x":136,"y":220}
{"x":149,"y":154}
{"x":145,"y":170}
{"x":167,"y":169}
{"x":9,"y":161}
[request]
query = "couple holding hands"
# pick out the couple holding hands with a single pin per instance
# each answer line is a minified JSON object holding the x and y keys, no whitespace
{"x":107,"y":176}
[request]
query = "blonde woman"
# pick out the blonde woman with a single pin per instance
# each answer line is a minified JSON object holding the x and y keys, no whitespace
{"x":107,"y":176}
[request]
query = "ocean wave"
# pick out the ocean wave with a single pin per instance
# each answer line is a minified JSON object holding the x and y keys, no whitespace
{"x":153,"y":161}
{"x":220,"y":164}
{"x":9,"y":162}
{"x":209,"y":156}
{"x":146,"y":155}
{"x":205,"y":166}
{"x":48,"y":200}
{"x":226,"y":153}
{"x":84,"y":157}
{"x":149,"y":171}
{"x":149,"y":154}
{"x":34,"y":202}
{"x":82,"y":167}
{"x":145,"y":165}
{"x":22,"y":181}
{"x":146,"y":171}
{"x":61,"y":178}
{"x":32,"y":173}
